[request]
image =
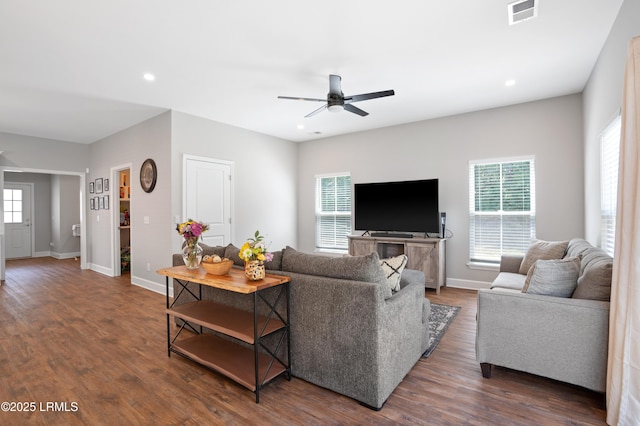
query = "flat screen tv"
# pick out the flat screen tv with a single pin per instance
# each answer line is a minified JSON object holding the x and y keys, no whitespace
{"x":407,"y":206}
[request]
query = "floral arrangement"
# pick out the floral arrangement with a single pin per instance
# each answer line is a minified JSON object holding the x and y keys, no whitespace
{"x":191,"y":230}
{"x":255,"y":249}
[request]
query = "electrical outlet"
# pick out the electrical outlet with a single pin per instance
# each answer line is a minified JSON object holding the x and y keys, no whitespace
{"x":148,"y":266}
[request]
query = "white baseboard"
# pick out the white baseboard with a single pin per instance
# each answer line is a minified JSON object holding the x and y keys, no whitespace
{"x":65,"y":255}
{"x":467,"y":284}
{"x":101,"y":270}
{"x":150,"y":285}
{"x":56,"y":255}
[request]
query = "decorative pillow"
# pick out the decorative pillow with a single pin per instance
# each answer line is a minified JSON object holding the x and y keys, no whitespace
{"x":542,"y":250}
{"x":393,"y":268}
{"x":356,"y":268}
{"x":557,"y":277}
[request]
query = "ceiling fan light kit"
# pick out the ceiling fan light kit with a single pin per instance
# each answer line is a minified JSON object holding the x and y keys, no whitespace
{"x":336,"y":101}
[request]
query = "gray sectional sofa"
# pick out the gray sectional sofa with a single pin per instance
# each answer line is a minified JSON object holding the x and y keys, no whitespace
{"x":349,"y":333}
{"x":562,"y":336}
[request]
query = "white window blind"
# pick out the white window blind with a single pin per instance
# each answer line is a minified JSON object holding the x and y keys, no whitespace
{"x":333,"y":212}
{"x":502,"y":216}
{"x":609,"y":158}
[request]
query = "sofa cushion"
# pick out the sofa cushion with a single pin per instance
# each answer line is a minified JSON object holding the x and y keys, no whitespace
{"x":355,"y":268}
{"x":212,"y":250}
{"x":410,"y":276}
{"x":556,"y":277}
{"x":393,"y":268}
{"x":596,"y":270}
{"x":232,"y":252}
{"x":542,"y":250}
{"x":509,"y":280}
{"x":595,"y":281}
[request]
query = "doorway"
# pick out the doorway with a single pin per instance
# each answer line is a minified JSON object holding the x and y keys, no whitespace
{"x":121,"y":219}
{"x":79,"y":194}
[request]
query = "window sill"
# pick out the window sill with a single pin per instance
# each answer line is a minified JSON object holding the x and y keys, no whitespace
{"x":335,"y":252}
{"x":484,"y":266}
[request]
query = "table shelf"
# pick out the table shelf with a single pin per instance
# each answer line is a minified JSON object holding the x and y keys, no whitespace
{"x":225,"y":319}
{"x":251,"y":366}
{"x":228,"y":358}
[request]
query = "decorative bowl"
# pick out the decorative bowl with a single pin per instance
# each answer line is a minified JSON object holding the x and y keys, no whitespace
{"x":219,"y":268}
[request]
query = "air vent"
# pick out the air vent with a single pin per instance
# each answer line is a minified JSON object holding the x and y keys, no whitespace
{"x":522,"y":10}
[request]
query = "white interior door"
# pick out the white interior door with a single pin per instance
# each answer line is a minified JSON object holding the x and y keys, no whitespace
{"x":207,"y":189}
{"x":17,"y":220}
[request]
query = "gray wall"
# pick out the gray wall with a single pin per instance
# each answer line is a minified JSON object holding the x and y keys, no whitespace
{"x":602,"y":100}
{"x":44,"y":154}
{"x":264,"y":181}
{"x":65,"y":212}
{"x":150,"y":243}
{"x":550,"y":129}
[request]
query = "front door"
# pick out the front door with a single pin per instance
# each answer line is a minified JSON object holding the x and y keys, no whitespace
{"x":17,"y":220}
{"x":208,"y":197}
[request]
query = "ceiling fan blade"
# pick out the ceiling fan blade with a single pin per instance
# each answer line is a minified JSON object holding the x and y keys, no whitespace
{"x":366,"y":96}
{"x":335,"y":85}
{"x":354,"y":109}
{"x":302,"y":99}
{"x":319,"y":110}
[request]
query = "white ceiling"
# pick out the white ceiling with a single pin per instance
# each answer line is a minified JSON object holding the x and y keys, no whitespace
{"x":72,"y":69}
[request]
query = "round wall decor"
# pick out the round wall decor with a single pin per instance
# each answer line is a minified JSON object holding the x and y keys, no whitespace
{"x":148,"y":175}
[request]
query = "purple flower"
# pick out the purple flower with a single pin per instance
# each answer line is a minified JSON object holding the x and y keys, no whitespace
{"x":196,"y":229}
{"x":268,"y":257}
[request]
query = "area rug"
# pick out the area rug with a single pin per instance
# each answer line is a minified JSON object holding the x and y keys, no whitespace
{"x":440,"y":318}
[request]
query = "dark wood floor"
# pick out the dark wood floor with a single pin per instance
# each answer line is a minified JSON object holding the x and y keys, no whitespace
{"x":98,"y":344}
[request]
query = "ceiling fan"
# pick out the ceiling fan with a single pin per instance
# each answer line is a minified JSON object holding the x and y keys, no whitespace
{"x":337,"y":101}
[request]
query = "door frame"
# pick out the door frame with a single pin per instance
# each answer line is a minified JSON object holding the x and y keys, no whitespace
{"x":116,"y":269}
{"x":83,"y":212}
{"x":32,"y":234}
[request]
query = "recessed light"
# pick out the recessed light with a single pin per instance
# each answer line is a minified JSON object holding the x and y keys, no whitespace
{"x":149,"y":77}
{"x":509,"y":83}
{"x":300,"y":126}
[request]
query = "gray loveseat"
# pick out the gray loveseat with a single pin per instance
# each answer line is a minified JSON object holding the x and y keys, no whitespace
{"x":562,"y":338}
{"x":349,"y":333}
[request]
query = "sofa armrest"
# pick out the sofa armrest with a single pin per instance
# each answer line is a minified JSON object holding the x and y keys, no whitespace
{"x":561,"y":338}
{"x":510,"y":263}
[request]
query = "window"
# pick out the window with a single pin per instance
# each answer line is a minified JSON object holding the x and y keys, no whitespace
{"x":609,"y":157}
{"x":12,"y":206}
{"x":333,"y":212}
{"x":502,"y":216}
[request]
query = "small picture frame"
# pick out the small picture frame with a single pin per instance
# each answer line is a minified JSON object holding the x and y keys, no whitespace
{"x":100,"y":203}
{"x":92,"y":201}
{"x":106,"y":202}
{"x":91,"y":188}
{"x":99,"y":183}
{"x":106,"y":185}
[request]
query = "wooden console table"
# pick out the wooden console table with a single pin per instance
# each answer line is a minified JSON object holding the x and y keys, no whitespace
{"x":424,"y":254}
{"x":251,"y":368}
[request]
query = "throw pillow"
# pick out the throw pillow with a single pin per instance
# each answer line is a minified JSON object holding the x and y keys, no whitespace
{"x":556,"y":277}
{"x":393,"y":268}
{"x":542,"y":250}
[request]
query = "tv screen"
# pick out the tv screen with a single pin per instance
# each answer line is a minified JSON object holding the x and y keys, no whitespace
{"x":407,"y":206}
